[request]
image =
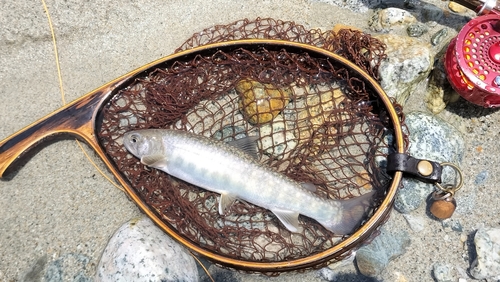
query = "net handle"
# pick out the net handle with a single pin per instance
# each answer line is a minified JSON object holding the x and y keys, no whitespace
{"x":74,"y":119}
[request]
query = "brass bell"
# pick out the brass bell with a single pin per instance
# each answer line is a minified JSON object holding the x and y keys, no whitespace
{"x":443,"y":204}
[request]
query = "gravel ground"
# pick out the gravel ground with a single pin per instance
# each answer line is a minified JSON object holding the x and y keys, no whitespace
{"x":59,"y":206}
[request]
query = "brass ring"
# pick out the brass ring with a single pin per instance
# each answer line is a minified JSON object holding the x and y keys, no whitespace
{"x":460,"y":179}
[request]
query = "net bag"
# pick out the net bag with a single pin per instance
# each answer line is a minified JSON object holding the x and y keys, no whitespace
{"x":320,"y":118}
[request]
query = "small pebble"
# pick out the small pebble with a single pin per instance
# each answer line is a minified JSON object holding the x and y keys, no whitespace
{"x":327,"y":274}
{"x":439,"y":36}
{"x":416,"y":29}
{"x":457,"y":8}
{"x":481,"y":177}
{"x":442,"y":272}
{"x":452,"y":224}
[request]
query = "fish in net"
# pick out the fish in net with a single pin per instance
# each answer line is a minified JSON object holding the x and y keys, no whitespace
{"x":317,"y":121}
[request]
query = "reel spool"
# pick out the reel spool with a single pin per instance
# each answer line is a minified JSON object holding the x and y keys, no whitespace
{"x":472,"y":60}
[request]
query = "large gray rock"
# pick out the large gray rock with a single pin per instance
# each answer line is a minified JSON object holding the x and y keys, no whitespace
{"x":373,"y":258}
{"x":487,"y":263}
{"x":434,"y":139}
{"x":408,"y":62}
{"x":140,"y":251}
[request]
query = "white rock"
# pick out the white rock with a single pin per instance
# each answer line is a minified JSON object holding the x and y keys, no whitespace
{"x":140,"y":251}
{"x":408,"y":62}
{"x":385,"y":20}
{"x":487,"y":263}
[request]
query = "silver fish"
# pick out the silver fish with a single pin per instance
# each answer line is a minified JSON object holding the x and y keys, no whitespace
{"x":231,"y":171}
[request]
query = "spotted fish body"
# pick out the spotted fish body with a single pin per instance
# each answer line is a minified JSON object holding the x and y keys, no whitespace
{"x":235,"y":174}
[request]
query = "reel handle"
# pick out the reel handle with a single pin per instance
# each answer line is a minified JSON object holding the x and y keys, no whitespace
{"x":469,"y":4}
{"x":481,"y":6}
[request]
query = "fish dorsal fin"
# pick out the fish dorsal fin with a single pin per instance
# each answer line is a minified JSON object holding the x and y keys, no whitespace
{"x":289,"y":218}
{"x":308,"y":186}
{"x":247,"y":144}
{"x":225,"y":201}
{"x":157,"y":161}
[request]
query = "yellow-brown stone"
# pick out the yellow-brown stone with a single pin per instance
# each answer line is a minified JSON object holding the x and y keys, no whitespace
{"x":457,"y":8}
{"x":259,"y":102}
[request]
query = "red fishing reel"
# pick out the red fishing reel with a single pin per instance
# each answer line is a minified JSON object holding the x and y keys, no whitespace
{"x":472,"y":60}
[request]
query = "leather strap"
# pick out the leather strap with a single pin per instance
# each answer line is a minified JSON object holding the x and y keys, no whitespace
{"x":424,"y":170}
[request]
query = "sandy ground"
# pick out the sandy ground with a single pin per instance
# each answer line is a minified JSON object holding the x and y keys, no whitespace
{"x":58,"y":204}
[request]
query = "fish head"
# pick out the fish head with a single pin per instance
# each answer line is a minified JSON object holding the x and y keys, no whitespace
{"x":141,"y":143}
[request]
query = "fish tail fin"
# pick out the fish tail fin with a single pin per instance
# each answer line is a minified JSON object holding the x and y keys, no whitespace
{"x":353,"y":211}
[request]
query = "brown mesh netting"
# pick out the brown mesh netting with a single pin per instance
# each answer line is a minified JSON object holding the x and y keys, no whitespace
{"x":317,"y":122}
{"x":362,"y":49}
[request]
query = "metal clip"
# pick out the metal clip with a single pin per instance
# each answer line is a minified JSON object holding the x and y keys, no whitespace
{"x":450,"y":188}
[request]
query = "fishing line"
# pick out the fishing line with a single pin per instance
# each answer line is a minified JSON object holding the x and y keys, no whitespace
{"x":202,"y":266}
{"x":61,"y":88}
{"x":56,"y":55}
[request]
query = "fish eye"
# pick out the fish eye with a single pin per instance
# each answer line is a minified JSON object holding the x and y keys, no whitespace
{"x":133,"y":138}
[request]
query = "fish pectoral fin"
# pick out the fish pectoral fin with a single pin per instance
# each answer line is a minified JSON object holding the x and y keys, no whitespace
{"x":289,"y":218}
{"x":225,"y":201}
{"x":157,"y":161}
{"x":246,"y":144}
